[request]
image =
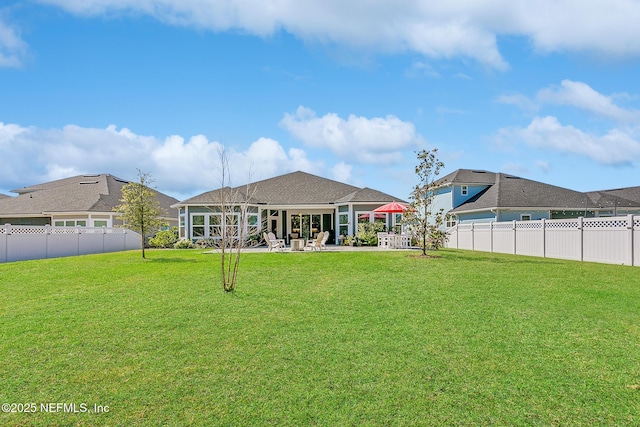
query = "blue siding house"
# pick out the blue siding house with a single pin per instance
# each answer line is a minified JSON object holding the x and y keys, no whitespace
{"x":483,"y":196}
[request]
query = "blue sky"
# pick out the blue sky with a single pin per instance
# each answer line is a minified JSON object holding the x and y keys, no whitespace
{"x":547,"y":90}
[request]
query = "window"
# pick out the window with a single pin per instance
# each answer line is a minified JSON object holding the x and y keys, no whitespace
{"x":465,"y":190}
{"x":525,"y":217}
{"x":197,"y":225}
{"x":252,"y":224}
{"x":363,"y":217}
{"x":100,"y":223}
{"x":215,"y":225}
{"x":343,"y":220}
{"x":182,"y":221}
{"x":70,"y":223}
{"x":231,"y":226}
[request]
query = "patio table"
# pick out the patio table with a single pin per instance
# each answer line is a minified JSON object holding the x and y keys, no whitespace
{"x":399,"y":241}
{"x":297,"y":244}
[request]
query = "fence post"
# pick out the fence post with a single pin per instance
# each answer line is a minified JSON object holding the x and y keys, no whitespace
{"x":491,"y":236}
{"x":515,"y":252}
{"x":457,"y":236}
{"x":47,"y":233}
{"x":544,"y":238}
{"x":473,"y":236}
{"x":630,"y":228}
{"x":581,"y":228}
{"x":7,"y":231}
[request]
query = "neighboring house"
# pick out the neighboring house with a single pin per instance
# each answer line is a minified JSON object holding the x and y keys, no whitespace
{"x":483,"y":196}
{"x":84,"y":200}
{"x":293,"y":205}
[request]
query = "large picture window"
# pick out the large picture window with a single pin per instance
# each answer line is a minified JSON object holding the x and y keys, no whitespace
{"x":215,"y":225}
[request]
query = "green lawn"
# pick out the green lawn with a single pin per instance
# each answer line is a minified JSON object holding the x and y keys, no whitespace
{"x":371,"y":338}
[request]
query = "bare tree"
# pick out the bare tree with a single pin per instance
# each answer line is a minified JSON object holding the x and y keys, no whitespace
{"x":140,"y":208}
{"x":232,"y":225}
{"x":423,"y":222}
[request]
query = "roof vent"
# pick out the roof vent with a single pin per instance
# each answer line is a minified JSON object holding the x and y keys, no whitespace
{"x":88,"y":182}
{"x":91,"y":176}
{"x":479,"y":171}
{"x":511,"y":177}
{"x":121,"y":180}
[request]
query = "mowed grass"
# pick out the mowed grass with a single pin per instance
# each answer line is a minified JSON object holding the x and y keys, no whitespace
{"x":370,"y":338}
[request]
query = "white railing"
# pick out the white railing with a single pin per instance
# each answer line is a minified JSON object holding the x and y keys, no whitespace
{"x":614,"y":240}
{"x":24,"y":242}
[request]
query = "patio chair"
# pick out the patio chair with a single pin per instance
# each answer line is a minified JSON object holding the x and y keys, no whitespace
{"x":274,"y":243}
{"x":315,"y":244}
{"x":323,"y":242}
{"x":383,"y":240}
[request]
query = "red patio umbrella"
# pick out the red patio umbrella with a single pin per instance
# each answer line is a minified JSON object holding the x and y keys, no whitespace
{"x":376,"y":216}
{"x":393,"y":207}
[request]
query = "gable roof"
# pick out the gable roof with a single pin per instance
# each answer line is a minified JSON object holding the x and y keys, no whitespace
{"x":508,"y":191}
{"x":295,"y":188}
{"x":467,"y":176}
{"x":619,"y":197}
{"x":82,"y":193}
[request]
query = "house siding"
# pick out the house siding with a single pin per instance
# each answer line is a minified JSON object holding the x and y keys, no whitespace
{"x":458,"y":198}
{"x":487,"y":216}
{"x":504,"y":215}
{"x":442,"y":199}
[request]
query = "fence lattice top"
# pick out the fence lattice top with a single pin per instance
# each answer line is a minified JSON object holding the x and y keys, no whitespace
{"x":48,"y":229}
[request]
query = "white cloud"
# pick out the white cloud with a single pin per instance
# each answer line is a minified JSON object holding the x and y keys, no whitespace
{"x":356,"y":139}
{"x":342,"y":172}
{"x":420,"y":68}
{"x":583,"y":96}
{"x":180,"y":167}
{"x":12,"y":48}
{"x":604,"y":28}
{"x":519,"y":100}
{"x":438,"y":30}
{"x":616,"y":147}
{"x":575,"y":94}
{"x":543,"y":165}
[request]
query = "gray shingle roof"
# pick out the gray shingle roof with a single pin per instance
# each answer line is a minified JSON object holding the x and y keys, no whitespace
{"x":368,"y":195}
{"x":82,"y":193}
{"x":296,"y":188}
{"x":468,"y":176}
{"x":508,"y":191}
{"x":620,"y":197}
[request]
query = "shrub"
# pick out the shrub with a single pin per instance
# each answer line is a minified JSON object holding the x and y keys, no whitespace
{"x":368,"y":233}
{"x":437,"y":238}
{"x":184,"y":244}
{"x":164,"y":238}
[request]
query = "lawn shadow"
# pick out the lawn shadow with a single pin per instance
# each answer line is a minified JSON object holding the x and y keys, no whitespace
{"x":172,"y":260}
{"x":500,"y":258}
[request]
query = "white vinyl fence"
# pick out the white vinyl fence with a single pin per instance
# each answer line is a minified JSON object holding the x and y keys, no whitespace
{"x":614,"y":240}
{"x":22,"y":242}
